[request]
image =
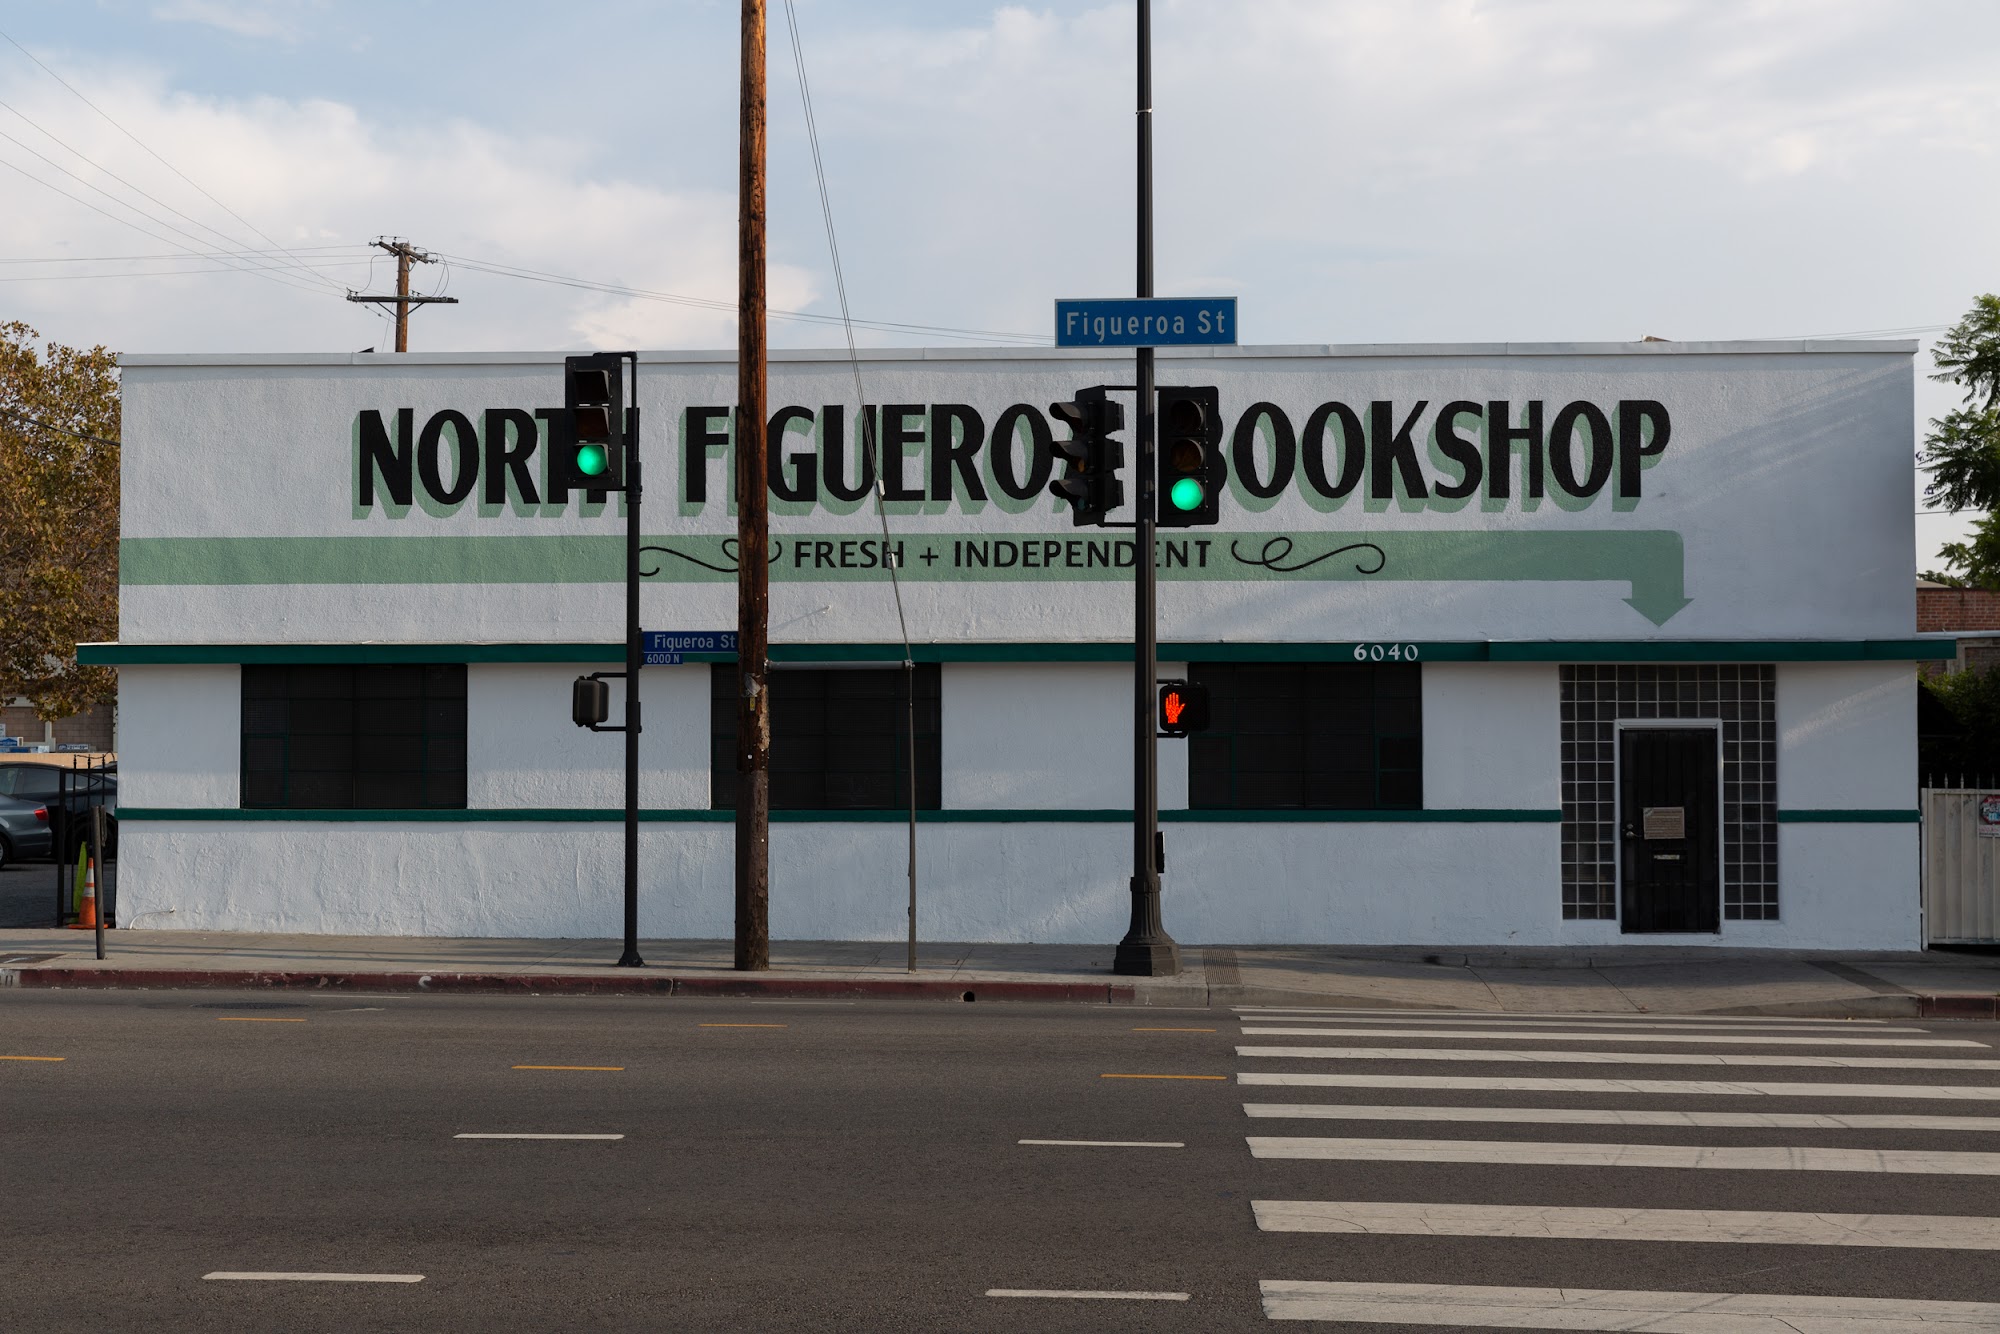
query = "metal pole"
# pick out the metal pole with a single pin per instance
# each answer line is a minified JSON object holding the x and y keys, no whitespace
{"x":910,"y":699}
{"x":1147,"y":950}
{"x":753,"y":575}
{"x":630,"y":958}
{"x":98,"y":863}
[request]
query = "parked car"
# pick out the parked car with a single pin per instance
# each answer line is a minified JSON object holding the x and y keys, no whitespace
{"x":33,"y":807}
{"x":24,"y":830}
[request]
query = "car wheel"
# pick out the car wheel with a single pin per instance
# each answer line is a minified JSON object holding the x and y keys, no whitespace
{"x":6,"y":851}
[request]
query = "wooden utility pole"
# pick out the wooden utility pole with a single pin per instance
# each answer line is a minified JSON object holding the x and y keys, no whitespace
{"x":406,"y":255}
{"x":753,"y":576}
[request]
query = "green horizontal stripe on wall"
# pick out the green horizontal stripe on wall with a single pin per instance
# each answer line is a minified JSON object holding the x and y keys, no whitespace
{"x":1511,"y":651}
{"x":1897,"y":815}
{"x":593,"y":815}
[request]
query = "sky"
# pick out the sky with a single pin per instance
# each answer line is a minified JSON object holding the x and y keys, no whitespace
{"x":1354,"y":171}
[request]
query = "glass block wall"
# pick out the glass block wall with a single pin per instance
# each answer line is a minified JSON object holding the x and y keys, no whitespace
{"x":1744,"y":699}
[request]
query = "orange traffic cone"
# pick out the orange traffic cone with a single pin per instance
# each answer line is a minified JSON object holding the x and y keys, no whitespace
{"x":87,"y":919}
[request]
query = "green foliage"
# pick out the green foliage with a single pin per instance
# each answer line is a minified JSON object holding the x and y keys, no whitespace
{"x":1974,"y":564}
{"x":1972,"y":700}
{"x":1962,"y":451}
{"x":58,"y":520}
{"x":1969,"y":354}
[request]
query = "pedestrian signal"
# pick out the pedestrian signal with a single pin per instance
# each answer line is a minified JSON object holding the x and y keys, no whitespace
{"x":1183,"y":708}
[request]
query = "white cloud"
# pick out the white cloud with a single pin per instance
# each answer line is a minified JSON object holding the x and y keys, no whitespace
{"x":281,"y":19}
{"x":310,"y":172}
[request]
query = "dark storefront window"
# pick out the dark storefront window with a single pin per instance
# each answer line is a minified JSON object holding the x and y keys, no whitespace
{"x":839,"y":739}
{"x":362,"y":738}
{"x":1308,"y":736}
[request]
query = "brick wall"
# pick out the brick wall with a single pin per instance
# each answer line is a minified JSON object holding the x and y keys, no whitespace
{"x":92,"y":729}
{"x":1957,"y":609}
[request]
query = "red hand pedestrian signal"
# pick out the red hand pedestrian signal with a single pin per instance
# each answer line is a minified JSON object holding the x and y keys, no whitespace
{"x":1183,"y":708}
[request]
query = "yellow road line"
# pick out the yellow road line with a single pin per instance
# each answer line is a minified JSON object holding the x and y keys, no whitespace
{"x":742,"y":1025}
{"x":1163,"y":1076}
{"x":569,"y":1067}
{"x":253,"y":1019}
{"x":33,"y":1058}
{"x":1173,"y":1030}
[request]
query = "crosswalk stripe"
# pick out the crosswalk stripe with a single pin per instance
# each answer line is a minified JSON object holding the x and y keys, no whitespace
{"x":1509,"y":1020}
{"x":1436,"y":1305}
{"x":1504,"y":1016}
{"x":1531,"y":1035}
{"x":1733,"y":1158}
{"x":1476,"y":1056}
{"x":1942,"y":1232}
{"x":1595,"y":1116}
{"x":1672,"y":1087}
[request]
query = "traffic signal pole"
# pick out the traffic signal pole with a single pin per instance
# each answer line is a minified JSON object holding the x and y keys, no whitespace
{"x":630,"y":957}
{"x":1147,"y":950}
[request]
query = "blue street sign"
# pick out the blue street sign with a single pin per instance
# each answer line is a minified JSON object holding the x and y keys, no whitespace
{"x":1166,"y":321}
{"x":661,"y":660}
{"x":688,"y":641}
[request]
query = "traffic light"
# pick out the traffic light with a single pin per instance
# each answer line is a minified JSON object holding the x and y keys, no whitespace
{"x":1090,"y":481}
{"x":593,"y":456}
{"x":1191,"y":467}
{"x":1183,"y":707}
{"x":589,"y":701}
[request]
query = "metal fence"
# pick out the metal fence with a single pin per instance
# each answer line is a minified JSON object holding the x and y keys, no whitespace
{"x":80,"y":792}
{"x":1961,"y":851}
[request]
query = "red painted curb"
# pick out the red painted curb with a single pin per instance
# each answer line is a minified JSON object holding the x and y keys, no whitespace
{"x":1959,"y":1007}
{"x":571,"y":984}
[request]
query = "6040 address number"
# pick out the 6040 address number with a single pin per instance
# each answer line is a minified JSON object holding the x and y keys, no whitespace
{"x":1385,"y":652}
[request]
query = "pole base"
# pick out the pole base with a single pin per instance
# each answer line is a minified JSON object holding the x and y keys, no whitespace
{"x":1158,"y":957}
{"x":630,"y":959}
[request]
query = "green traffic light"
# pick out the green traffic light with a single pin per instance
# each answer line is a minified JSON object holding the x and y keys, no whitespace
{"x":1186,"y":494}
{"x":592,"y":460}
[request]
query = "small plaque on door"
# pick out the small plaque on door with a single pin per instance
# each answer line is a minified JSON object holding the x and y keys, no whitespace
{"x":1666,"y":821}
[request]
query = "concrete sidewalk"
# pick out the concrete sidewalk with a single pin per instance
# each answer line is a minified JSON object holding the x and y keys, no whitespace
{"x":1634,"y":980}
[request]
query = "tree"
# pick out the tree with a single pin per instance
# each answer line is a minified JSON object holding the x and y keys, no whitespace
{"x":1962,"y":451}
{"x":58,"y":520}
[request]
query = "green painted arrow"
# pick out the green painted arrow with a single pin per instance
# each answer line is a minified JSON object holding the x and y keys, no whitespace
{"x":1651,"y":561}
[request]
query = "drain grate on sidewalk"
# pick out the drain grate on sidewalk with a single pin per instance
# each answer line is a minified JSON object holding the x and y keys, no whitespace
{"x":6,"y":959}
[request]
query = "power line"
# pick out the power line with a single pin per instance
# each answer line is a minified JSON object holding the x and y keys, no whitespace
{"x":82,"y":157}
{"x":276,"y":277}
{"x":868,"y":454}
{"x":729,"y":307}
{"x":155,"y":273}
{"x":60,"y":430}
{"x":142,"y":143}
{"x":210,"y":254}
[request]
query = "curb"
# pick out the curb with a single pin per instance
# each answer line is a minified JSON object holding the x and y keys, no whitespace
{"x":1972,"y":1006}
{"x":1141,"y":992}
{"x":567,"y":984}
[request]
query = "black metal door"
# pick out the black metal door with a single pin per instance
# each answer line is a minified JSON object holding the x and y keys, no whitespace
{"x":1668,"y":831}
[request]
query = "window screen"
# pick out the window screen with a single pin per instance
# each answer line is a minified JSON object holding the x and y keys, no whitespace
{"x":839,"y":739}
{"x":365,"y":738}
{"x":1308,"y":736}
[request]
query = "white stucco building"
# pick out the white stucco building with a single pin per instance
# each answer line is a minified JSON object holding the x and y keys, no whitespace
{"x":1548,"y":644}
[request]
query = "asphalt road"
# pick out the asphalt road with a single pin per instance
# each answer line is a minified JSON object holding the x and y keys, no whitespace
{"x":27,"y":894}
{"x":815,"y":1166}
